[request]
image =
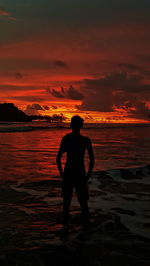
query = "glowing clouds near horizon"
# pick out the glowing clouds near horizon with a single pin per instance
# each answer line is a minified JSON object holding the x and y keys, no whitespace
{"x":94,"y":62}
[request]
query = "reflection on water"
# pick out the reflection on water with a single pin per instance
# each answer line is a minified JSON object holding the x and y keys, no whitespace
{"x":30,"y":202}
{"x":31,"y":155}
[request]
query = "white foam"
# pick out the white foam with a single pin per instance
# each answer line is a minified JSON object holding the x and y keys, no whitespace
{"x":116,"y":175}
{"x":140,"y":208}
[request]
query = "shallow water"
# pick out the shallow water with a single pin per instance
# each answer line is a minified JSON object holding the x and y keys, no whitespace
{"x":31,"y":155}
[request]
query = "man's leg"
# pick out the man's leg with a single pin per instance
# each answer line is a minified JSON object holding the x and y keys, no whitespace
{"x":83,"y":196}
{"x":66,"y":210}
{"x":67,"y":191}
{"x":85,"y":210}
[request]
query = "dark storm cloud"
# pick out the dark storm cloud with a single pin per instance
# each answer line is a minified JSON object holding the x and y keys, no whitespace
{"x":48,"y":90}
{"x":138,"y":89}
{"x":116,"y":90}
{"x":129,"y":66}
{"x":141,"y":112}
{"x":100,"y":101}
{"x":139,"y":71}
{"x":59,"y":63}
{"x":58,"y":94}
{"x":18,"y":75}
{"x":37,"y":106}
{"x":54,"y":107}
{"x":46,"y":107}
{"x":113,"y":81}
{"x":73,"y":94}
{"x":68,"y":93}
{"x":33,"y":109}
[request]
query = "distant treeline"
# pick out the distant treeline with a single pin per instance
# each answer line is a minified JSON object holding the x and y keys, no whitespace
{"x":9,"y":112}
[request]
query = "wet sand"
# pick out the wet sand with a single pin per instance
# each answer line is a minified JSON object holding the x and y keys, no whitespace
{"x":119,"y":233}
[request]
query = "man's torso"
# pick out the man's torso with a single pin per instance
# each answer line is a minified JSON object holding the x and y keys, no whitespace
{"x":75,"y":146}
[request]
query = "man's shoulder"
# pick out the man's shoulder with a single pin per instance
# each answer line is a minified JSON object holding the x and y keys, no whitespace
{"x":86,"y":139}
{"x":70,"y":136}
{"x":67,"y":136}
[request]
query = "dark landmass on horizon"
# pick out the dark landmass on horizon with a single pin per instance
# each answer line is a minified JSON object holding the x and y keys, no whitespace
{"x":10,"y":113}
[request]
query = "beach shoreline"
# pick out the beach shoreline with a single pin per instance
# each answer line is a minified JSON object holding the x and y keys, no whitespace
{"x":118,"y":234}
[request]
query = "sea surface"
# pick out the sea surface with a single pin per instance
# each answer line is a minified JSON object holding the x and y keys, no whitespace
{"x":28,"y":151}
{"x":30,"y":190}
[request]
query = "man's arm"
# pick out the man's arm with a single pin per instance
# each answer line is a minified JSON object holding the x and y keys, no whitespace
{"x":91,"y":157}
{"x":59,"y":155}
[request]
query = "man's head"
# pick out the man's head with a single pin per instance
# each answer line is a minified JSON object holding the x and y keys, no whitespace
{"x":76,"y":123}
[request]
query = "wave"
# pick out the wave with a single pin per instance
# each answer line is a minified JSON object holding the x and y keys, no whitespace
{"x":137,"y":174}
{"x":122,"y":175}
{"x":117,"y":209}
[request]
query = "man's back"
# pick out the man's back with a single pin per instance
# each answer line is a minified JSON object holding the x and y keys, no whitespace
{"x":75,"y":146}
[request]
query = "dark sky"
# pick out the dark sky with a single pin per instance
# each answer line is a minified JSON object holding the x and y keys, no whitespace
{"x":88,"y":57}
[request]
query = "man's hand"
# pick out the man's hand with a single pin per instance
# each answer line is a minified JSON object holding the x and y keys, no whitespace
{"x":62,"y":175}
{"x":59,"y":156}
{"x":88,"y":176}
{"x":91,"y":157}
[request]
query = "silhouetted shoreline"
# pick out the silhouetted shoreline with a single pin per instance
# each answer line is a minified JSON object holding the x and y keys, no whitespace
{"x":10,"y":113}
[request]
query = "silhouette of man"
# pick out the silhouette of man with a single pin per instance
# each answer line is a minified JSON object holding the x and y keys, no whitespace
{"x":74,"y":174}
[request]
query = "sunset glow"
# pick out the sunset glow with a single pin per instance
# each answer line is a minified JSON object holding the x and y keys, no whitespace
{"x":91,"y":61}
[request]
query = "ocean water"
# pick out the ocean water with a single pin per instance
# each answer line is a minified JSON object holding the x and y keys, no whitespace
{"x":30,"y":202}
{"x":29,"y":155}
